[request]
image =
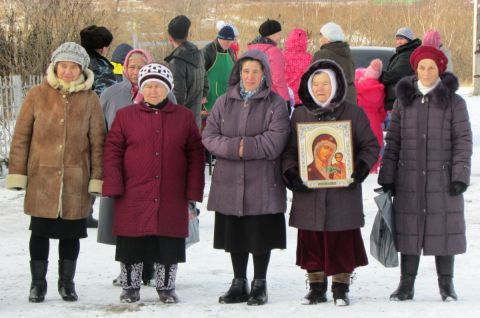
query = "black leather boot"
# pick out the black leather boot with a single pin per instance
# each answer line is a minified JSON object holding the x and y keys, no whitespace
{"x":408,"y":269}
{"x":258,"y":293}
{"x":66,"y":273}
{"x":445,"y":265}
{"x":237,"y":293}
{"x":38,"y":287}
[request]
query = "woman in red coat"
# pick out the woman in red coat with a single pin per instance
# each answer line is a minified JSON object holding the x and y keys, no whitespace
{"x":155,"y":165}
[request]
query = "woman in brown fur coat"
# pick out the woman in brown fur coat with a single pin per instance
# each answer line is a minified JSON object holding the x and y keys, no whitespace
{"x":56,"y":156}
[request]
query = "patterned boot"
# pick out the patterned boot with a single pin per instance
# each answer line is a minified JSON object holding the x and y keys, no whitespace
{"x":131,"y":282}
{"x":165,"y":282}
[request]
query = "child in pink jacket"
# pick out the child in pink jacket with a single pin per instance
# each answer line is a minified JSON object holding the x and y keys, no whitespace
{"x":370,"y":95}
{"x":297,"y":60}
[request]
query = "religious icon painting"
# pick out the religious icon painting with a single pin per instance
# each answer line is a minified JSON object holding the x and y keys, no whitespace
{"x":325,"y":154}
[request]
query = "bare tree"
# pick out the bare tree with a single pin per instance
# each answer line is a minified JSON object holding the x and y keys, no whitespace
{"x":31,"y":30}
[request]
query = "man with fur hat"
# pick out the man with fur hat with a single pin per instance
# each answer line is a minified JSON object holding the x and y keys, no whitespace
{"x":267,"y":42}
{"x":96,"y":40}
{"x":187,"y":65}
{"x":399,"y":64}
{"x":334,"y":47}
{"x":219,"y":60}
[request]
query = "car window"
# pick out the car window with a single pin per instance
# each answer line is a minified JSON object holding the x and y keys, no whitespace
{"x":363,"y":56}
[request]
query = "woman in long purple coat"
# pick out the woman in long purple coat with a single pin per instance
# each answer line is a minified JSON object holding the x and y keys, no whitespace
{"x":247,"y":131}
{"x":426,"y":167}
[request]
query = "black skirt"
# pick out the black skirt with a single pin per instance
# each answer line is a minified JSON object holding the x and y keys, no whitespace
{"x":58,"y":228}
{"x":160,"y":249}
{"x":257,"y":234}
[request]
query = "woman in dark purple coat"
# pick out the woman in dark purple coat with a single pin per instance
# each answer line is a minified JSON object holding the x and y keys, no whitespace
{"x":247,"y":131}
{"x":329,"y":219}
{"x":154,"y":163}
{"x":426,"y":167}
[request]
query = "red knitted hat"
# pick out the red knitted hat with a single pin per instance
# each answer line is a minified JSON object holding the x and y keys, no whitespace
{"x":429,"y":52}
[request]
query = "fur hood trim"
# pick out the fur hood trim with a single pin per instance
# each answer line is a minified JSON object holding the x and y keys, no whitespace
{"x":407,"y":89}
{"x":340,"y":94}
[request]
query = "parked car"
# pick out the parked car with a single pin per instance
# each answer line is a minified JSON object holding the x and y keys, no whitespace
{"x":362,"y":55}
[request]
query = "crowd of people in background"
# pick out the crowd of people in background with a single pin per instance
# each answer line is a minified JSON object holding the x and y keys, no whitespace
{"x":136,"y":131}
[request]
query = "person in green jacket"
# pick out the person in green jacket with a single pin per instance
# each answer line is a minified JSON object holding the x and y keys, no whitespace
{"x":219,"y":60}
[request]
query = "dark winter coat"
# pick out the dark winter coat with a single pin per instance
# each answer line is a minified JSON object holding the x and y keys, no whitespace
{"x":398,"y":67}
{"x":102,"y":70}
{"x":251,"y":185}
{"x":330,"y":209}
{"x":340,"y":53}
{"x":188,"y":68}
{"x":154,"y":162}
{"x":428,"y":146}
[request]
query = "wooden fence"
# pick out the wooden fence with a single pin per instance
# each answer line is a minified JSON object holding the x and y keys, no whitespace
{"x":12,"y":90}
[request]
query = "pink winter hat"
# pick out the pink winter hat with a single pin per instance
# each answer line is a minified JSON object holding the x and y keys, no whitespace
{"x":432,"y":38}
{"x":374,"y":70}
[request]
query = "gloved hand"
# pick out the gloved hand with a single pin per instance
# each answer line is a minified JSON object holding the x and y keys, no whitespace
{"x":360,"y":173}
{"x":389,"y":187}
{"x":295,"y":183}
{"x":457,"y":188}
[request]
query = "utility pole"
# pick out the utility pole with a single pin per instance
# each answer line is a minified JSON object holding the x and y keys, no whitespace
{"x":476,"y":49}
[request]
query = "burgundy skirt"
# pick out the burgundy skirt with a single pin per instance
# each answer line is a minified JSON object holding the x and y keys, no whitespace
{"x":331,"y":252}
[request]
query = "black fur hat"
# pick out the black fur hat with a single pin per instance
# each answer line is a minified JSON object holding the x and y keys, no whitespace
{"x":95,"y":37}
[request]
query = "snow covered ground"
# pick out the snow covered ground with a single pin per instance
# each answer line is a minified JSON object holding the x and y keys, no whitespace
{"x":207,"y":272}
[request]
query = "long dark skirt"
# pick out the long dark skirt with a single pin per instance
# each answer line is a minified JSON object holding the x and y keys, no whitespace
{"x":58,"y":228}
{"x":160,"y":249}
{"x":331,"y":252}
{"x":249,"y":234}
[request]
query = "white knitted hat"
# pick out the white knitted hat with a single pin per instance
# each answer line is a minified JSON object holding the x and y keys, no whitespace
{"x":333,"y":32}
{"x":155,"y":72}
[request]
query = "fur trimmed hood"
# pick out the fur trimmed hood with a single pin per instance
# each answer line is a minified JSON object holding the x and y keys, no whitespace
{"x":340,"y":94}
{"x":407,"y":89}
{"x":84,"y":82}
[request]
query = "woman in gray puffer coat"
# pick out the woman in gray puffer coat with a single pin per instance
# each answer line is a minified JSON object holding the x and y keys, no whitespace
{"x":426,"y":167}
{"x":329,"y":219}
{"x":247,"y":131}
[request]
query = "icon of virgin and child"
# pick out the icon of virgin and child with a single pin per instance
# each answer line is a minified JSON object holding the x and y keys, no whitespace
{"x":327,"y":163}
